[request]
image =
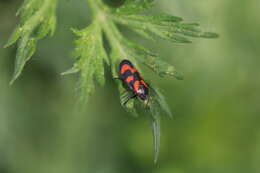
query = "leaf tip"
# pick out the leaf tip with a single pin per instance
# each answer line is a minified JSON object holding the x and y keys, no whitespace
{"x":178,"y":75}
{"x":6,"y":46}
{"x":13,"y":79}
{"x":155,"y":161}
{"x":156,"y":137}
{"x":72,"y":70}
{"x":211,"y":35}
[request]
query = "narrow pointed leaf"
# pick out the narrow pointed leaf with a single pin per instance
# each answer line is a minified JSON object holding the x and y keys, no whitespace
{"x":156,"y":136}
{"x":134,"y":6}
{"x":26,"y":48}
{"x":90,"y":57}
{"x":155,"y":92}
{"x":152,"y":61}
{"x":14,"y":37}
{"x":37,"y":20}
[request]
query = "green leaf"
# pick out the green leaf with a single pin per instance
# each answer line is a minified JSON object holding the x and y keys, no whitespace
{"x":170,"y":36}
{"x":90,"y":58}
{"x":37,"y":20}
{"x":164,"y":26}
{"x":157,"y":106}
{"x":158,"y":101}
{"x":46,"y":27}
{"x":156,"y":135}
{"x":26,"y":48}
{"x":143,"y":33}
{"x":14,"y":37}
{"x":74,"y":69}
{"x":134,"y":6}
{"x":160,"y":67}
{"x":151,"y":60}
{"x":159,"y":19}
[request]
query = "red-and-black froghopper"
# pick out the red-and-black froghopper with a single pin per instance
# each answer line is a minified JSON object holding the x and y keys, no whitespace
{"x":133,"y":81}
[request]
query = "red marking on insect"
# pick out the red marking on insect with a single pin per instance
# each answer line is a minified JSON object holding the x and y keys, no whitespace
{"x":136,"y":85}
{"x":126,"y":67}
{"x":129,"y":79}
{"x":145,"y":84}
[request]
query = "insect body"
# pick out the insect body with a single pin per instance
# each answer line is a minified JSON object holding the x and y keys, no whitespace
{"x":133,"y":81}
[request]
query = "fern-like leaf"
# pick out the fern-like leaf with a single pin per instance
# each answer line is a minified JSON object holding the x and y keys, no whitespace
{"x":156,"y":107}
{"x":151,"y":60}
{"x":164,"y":26}
{"x":134,"y":6}
{"x":37,"y":20}
{"x":90,"y":56}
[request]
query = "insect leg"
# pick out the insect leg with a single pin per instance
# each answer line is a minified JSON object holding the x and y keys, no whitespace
{"x":124,"y":95}
{"x":117,"y":78}
{"x":147,"y":102}
{"x":129,"y":98}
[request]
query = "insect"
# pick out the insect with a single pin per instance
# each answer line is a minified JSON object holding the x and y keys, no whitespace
{"x":133,"y":81}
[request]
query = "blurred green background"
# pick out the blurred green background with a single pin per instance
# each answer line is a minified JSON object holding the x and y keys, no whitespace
{"x":216,"y":108}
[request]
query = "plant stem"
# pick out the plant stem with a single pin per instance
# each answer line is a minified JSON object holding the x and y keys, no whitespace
{"x":109,"y":28}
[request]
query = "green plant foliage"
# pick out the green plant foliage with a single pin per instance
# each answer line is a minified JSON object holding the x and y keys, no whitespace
{"x":151,"y":60}
{"x":164,"y":26}
{"x":133,"y":6}
{"x":90,"y":57}
{"x":37,"y":20}
{"x":157,"y":106}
